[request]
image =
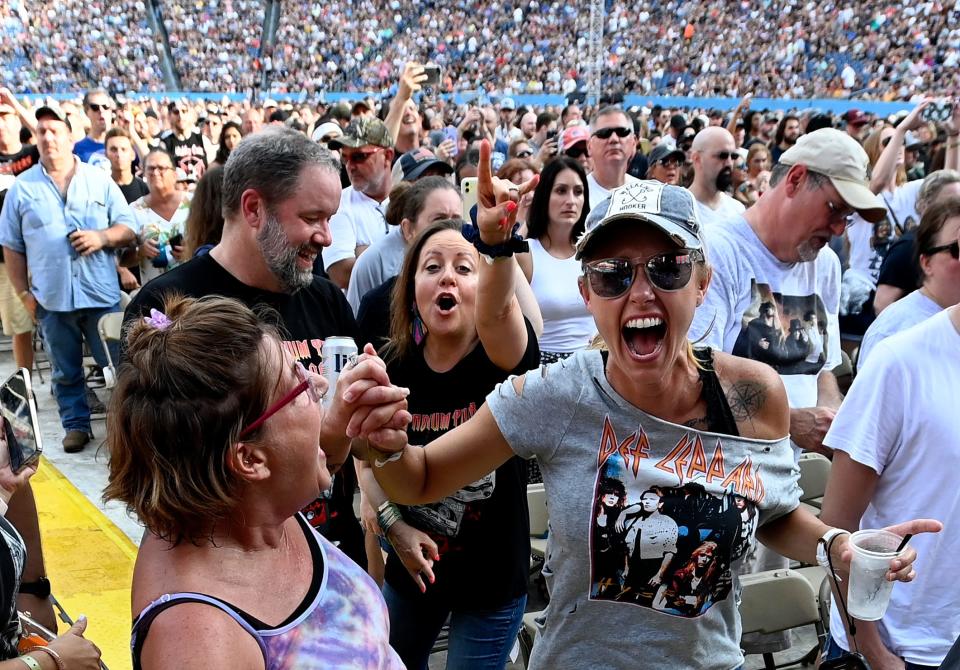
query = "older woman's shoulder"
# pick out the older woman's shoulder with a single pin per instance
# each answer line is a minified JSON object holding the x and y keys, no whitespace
{"x":756,"y":396}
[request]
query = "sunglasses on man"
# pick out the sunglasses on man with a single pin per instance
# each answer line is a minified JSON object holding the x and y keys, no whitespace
{"x":97,"y":107}
{"x":605,"y":133}
{"x":612,"y":277}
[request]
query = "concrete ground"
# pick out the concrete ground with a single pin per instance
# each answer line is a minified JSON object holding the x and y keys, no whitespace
{"x":87,"y":471}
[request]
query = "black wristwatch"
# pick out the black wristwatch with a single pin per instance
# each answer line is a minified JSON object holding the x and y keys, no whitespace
{"x":39,"y":588}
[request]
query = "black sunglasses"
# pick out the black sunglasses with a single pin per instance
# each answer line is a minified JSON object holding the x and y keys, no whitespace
{"x":670,"y":162}
{"x":605,"y":133}
{"x":612,"y":277}
{"x":576,"y":151}
{"x":953,"y":248}
{"x":726,"y":155}
{"x":97,"y":107}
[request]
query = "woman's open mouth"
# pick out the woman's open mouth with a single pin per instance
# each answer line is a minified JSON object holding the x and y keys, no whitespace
{"x":446,"y":303}
{"x":644,"y":337}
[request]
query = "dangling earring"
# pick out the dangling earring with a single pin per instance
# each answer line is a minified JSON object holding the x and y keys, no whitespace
{"x":419,"y":327}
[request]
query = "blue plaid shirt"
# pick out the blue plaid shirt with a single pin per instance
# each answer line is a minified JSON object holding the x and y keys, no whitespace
{"x":36,"y":221}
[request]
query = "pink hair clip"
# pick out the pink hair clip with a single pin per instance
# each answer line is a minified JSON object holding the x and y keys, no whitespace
{"x":157,"y":319}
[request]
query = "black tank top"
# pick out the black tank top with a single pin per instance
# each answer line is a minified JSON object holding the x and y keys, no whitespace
{"x":719,"y":417}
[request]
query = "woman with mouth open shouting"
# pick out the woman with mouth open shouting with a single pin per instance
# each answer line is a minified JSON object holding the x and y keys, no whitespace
{"x":696,"y":439}
{"x":457,"y":330}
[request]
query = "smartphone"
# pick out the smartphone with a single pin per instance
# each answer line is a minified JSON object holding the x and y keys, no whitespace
{"x":468,"y":193}
{"x":451,"y":133}
{"x":938,"y":111}
{"x":552,"y":134}
{"x":176,"y":240}
{"x":20,"y":425}
{"x":433,"y":73}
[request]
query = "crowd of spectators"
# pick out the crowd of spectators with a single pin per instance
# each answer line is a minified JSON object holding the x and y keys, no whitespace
{"x":68,"y":45}
{"x":215,"y":43}
{"x":782,"y":48}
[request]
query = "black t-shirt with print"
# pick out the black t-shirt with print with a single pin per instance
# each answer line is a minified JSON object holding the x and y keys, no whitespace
{"x":373,"y":317}
{"x":308,"y":317}
{"x":482,"y":531}
{"x":189,"y":153}
{"x":899,"y":267}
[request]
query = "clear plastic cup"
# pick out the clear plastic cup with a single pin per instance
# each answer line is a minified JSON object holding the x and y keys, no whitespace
{"x":869,"y":591}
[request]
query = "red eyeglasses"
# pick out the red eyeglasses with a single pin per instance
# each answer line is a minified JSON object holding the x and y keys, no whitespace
{"x":307,"y":383}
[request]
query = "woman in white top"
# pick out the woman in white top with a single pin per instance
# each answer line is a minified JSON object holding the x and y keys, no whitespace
{"x":557,"y":214}
{"x":161,"y":216}
{"x":936,"y":250}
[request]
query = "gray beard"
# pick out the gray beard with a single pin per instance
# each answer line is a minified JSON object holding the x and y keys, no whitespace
{"x":281,"y":258}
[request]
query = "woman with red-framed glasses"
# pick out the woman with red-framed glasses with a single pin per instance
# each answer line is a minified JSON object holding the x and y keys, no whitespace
{"x":214,"y":443}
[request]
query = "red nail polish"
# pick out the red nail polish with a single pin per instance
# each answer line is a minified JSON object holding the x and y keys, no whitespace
{"x":512,"y":207}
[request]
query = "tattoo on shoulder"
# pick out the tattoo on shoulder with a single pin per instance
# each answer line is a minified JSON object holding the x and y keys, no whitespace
{"x":746,"y":398}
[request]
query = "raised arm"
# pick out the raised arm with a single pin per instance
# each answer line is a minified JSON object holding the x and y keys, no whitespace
{"x":500,"y":322}
{"x":413,"y":75}
{"x":886,"y":167}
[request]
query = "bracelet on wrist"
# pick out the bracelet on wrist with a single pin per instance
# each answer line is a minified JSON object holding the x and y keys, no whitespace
{"x":506,"y":249}
{"x":383,"y":458}
{"x":54,"y":655}
{"x":387,"y":515}
{"x":30,"y":662}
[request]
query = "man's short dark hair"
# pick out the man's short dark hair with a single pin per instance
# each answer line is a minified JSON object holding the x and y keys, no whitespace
{"x":270,"y":162}
{"x":92,"y":92}
{"x":544,"y":119}
{"x":609,"y":110}
{"x":117,"y":131}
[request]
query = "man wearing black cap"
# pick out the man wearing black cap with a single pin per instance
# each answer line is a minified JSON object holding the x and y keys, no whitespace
{"x":367,"y":150}
{"x":664,"y":164}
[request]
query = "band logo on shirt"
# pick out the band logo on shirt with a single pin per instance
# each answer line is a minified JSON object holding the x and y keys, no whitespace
{"x":665,"y":534}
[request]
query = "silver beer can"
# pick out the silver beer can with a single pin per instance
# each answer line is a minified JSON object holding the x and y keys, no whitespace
{"x":338,"y":353}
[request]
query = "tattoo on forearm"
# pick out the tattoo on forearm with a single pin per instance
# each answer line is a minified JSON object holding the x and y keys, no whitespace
{"x":745,"y":399}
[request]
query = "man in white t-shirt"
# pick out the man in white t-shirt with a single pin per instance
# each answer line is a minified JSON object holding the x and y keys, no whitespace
{"x":775,"y":292}
{"x":713,"y":153}
{"x":612,"y":146}
{"x":367,"y":150}
{"x":896,"y":454}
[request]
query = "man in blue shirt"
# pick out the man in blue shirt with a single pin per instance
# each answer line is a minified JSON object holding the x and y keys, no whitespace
{"x":102,"y":112}
{"x":61,"y":221}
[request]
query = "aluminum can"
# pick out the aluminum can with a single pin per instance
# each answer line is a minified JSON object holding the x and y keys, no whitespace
{"x":338,"y":353}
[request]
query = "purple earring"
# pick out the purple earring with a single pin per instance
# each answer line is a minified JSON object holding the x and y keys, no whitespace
{"x":419,"y":327}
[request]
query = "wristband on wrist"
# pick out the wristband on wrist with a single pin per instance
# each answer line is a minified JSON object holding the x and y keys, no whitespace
{"x":506,"y":249}
{"x":824,"y":544}
{"x":381,"y":458}
{"x":54,"y":655}
{"x":387,"y":515}
{"x":30,"y":662}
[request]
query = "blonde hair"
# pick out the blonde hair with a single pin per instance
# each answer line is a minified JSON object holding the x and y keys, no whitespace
{"x":872,"y":146}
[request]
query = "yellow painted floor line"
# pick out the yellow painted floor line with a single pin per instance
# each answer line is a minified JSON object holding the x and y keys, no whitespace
{"x":89,"y":563}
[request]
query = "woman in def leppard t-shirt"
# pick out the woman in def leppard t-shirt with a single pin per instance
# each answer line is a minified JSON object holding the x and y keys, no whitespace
{"x":457,"y":331}
{"x":697,"y":439}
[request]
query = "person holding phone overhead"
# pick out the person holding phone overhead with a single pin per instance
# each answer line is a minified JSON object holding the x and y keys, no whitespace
{"x":653,"y":415}
{"x":161,"y":218}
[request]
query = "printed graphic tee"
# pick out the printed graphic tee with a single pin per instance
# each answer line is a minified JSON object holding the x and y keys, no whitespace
{"x":483,"y":530}
{"x":649,"y":521}
{"x":307,"y":318}
{"x":781,"y":314}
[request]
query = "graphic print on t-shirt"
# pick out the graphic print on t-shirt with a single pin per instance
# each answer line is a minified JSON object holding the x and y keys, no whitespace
{"x":659,"y":538}
{"x":787,"y":332}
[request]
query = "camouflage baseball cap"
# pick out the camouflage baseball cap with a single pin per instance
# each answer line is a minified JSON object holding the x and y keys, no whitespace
{"x":363,"y":132}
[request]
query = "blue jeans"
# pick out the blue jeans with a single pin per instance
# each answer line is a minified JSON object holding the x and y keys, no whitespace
{"x":64,"y":333}
{"x":479,"y":639}
{"x":834,"y":650}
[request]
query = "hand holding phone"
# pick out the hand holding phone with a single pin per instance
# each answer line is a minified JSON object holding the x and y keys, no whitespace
{"x":20,"y":444}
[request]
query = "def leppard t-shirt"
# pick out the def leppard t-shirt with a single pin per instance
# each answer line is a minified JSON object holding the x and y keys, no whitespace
{"x":188,"y":153}
{"x":307,"y":318}
{"x":13,"y":164}
{"x":483,"y":530}
{"x":649,"y":521}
